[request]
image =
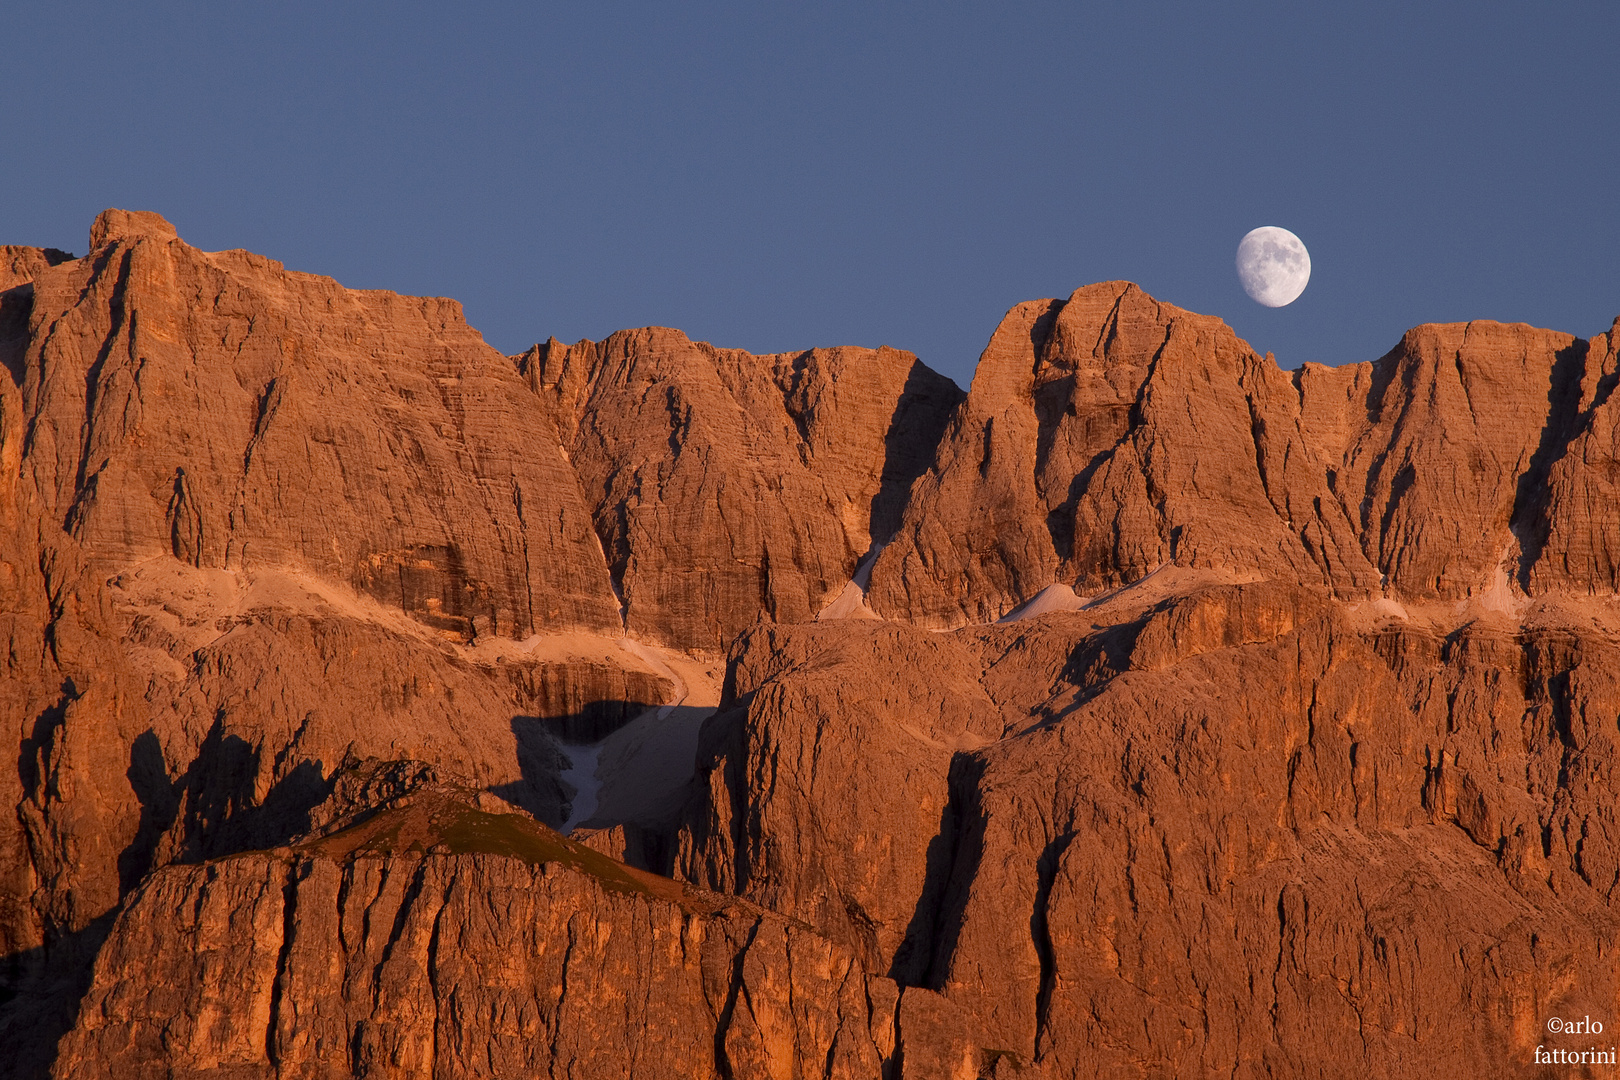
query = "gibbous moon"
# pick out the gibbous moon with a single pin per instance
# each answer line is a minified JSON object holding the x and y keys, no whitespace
{"x":1273,"y":266}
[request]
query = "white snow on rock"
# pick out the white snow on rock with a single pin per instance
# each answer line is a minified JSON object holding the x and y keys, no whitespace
{"x":581,"y":776}
{"x":1057,"y":597}
{"x":850,"y":603}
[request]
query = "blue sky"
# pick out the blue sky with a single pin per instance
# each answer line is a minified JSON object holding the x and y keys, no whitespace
{"x":774,"y":177}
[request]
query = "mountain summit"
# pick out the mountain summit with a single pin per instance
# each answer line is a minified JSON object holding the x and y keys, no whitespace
{"x":1148,"y":710}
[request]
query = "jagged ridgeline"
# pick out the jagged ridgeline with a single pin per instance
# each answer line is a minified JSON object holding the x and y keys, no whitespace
{"x":1148,"y":710}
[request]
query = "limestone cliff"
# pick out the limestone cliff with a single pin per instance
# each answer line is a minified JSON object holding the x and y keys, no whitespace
{"x":441,"y":938}
{"x":726,"y":486}
{"x":1197,"y":717}
{"x":1109,"y":435}
{"x":1229,"y":834}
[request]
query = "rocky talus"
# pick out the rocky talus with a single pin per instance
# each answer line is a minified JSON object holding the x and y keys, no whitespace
{"x":1148,"y":711}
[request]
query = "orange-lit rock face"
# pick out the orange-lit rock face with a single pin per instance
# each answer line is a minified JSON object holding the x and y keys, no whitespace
{"x":223,"y":411}
{"x":725,"y":485}
{"x":1200,"y":717}
{"x":1109,"y":435}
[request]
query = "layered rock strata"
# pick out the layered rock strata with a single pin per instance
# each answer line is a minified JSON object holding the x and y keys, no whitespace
{"x":260,"y":527}
{"x":1229,"y":835}
{"x":220,"y":410}
{"x":727,"y":486}
{"x":1220,"y":719}
{"x":1109,"y":435}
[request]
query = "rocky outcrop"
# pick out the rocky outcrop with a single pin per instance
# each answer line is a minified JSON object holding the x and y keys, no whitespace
{"x":20,"y":265}
{"x":220,"y":410}
{"x":724,"y":485}
{"x":1570,"y":533}
{"x":70,"y":702}
{"x":440,"y":938}
{"x":1227,"y":836}
{"x":260,"y":528}
{"x":1226,"y":720}
{"x":824,"y":796}
{"x":1110,"y":434}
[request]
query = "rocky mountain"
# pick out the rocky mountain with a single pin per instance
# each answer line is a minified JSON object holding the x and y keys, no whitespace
{"x":1110,"y":435}
{"x":386,"y":706}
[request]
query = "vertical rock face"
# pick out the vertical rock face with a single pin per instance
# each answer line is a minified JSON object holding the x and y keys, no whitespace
{"x":503,"y":951}
{"x":220,"y":410}
{"x":261,"y":530}
{"x":1227,"y":836}
{"x":822,"y":795}
{"x":1457,"y":416}
{"x":726,"y":485}
{"x":1573,"y":533}
{"x":295,"y":580}
{"x":20,"y":265}
{"x":1109,"y":435}
{"x":70,"y":702}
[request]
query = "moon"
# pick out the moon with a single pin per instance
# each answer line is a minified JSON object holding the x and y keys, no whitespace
{"x":1273,"y":266}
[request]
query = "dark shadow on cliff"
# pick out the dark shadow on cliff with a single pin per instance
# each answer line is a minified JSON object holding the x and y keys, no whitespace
{"x":540,"y":759}
{"x":1530,"y":521}
{"x":924,"y":411}
{"x":592,"y":723}
{"x":160,"y":803}
{"x":40,"y":987}
{"x":16,"y":305}
{"x":34,"y":753}
{"x":213,"y":803}
{"x":952,"y":864}
{"x":219,"y":813}
{"x":40,"y":991}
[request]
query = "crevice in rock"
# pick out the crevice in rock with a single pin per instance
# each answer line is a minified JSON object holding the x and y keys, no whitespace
{"x":936,"y":923}
{"x":1529,"y":521}
{"x":1257,"y":435}
{"x":1385,"y":371}
{"x":614,"y":540}
{"x":722,"y":1060}
{"x":928,"y":402}
{"x":1046,"y":868}
{"x":433,"y":971}
{"x":92,"y":394}
{"x":296,"y":872}
{"x":407,"y":901}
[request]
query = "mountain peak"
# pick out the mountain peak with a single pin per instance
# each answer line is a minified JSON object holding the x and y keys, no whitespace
{"x":113,"y":224}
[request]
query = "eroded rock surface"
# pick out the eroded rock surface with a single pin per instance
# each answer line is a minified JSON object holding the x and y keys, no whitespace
{"x":1196,"y":717}
{"x":499,"y":950}
{"x":1109,"y":435}
{"x":1227,"y":836}
{"x":726,"y":485}
{"x":218,"y":409}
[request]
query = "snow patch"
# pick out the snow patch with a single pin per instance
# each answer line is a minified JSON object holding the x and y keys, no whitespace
{"x":1058,"y":597}
{"x":850,"y":603}
{"x":1500,"y":596}
{"x":581,"y":776}
{"x":1392,"y":608}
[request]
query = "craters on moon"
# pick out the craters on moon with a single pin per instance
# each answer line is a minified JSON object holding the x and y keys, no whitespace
{"x":1273,"y":266}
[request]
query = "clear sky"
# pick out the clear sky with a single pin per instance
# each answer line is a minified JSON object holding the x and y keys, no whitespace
{"x":777,"y":176}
